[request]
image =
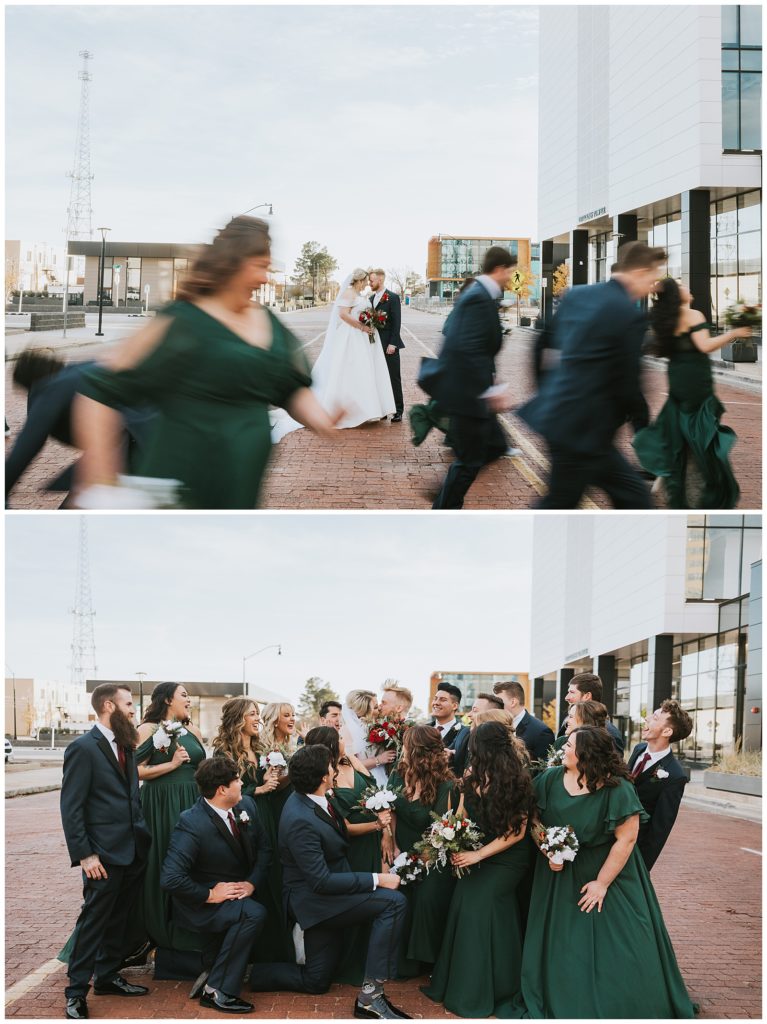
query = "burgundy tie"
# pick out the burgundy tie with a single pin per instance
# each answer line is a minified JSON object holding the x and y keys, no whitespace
{"x":639,"y":767}
{"x":332,"y":813}
{"x":233,"y":825}
{"x":122,"y":759}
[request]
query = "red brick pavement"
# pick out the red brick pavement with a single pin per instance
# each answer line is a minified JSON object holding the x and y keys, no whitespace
{"x":376,"y":466}
{"x":708,"y":886}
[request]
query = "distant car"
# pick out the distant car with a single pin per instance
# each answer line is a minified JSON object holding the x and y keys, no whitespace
{"x":8,"y":749}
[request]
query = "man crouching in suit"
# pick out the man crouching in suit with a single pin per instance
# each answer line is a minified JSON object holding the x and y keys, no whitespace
{"x":215,"y":869}
{"x":327,"y":898}
{"x":658,"y":776}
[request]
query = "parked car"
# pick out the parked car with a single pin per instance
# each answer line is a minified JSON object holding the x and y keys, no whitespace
{"x":8,"y":750}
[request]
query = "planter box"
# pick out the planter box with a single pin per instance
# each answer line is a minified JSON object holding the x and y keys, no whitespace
{"x":742,"y":351}
{"x":748,"y":785}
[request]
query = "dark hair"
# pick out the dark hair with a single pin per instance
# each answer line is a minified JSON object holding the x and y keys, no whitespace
{"x":515,"y":689}
{"x":214,"y":772}
{"x":499,"y":780}
{"x":326,"y":736}
{"x":491,"y":698}
{"x":598,"y":760}
{"x":217,"y":263}
{"x":454,"y":692}
{"x":664,"y":317}
{"x":495,"y":257}
{"x":639,"y":256}
{"x":324,"y":708}
{"x":678,"y":719}
{"x":591,"y":712}
{"x":162,"y":695}
{"x":36,"y":364}
{"x":588,"y":682}
{"x":308,"y":766}
{"x":423,"y":763}
{"x":104,"y":692}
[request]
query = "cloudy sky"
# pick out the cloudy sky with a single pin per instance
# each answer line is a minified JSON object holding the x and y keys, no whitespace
{"x":354,"y":599}
{"x":370,"y":128}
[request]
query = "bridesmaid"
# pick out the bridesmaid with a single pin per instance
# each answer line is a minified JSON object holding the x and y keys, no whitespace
{"x":585,"y":712}
{"x":168,"y":788}
{"x":595,"y":922}
{"x":478,"y":966}
{"x":426,"y":783}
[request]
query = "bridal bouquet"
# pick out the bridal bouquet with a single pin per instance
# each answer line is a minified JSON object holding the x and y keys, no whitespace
{"x":409,"y":867}
{"x":166,"y":733}
{"x":376,"y":798}
{"x":448,"y":833}
{"x":741,"y":315}
{"x":559,"y":843}
{"x":274,"y":759}
{"x":373,"y":318}
{"x":553,"y":759}
{"x":387,"y":733}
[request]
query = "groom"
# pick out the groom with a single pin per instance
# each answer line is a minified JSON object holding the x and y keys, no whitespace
{"x":387,"y":302}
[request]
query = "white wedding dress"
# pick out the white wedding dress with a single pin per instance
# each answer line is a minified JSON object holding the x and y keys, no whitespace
{"x":350,"y":373}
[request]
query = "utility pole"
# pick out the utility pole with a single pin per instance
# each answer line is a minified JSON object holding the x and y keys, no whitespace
{"x":79,"y":212}
{"x":83,"y":640}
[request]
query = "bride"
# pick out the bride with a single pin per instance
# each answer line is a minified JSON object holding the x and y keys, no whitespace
{"x":350,"y":378}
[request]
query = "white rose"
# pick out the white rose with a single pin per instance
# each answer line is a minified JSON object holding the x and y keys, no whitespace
{"x":448,"y":833}
{"x":400,"y":861}
{"x":566,"y":854}
{"x":557,"y":858}
{"x":661,"y":774}
{"x":161,"y":739}
{"x":244,"y":817}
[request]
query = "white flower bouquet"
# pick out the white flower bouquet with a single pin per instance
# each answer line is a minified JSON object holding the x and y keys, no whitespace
{"x":376,"y":799}
{"x":274,"y":759}
{"x":409,"y":867}
{"x":166,"y":733}
{"x":448,"y":833}
{"x":559,"y":843}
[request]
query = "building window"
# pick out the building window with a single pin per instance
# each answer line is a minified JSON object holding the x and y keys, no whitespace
{"x":720,"y":550}
{"x":667,"y":233}
{"x":741,"y":78}
{"x":599,"y":256}
{"x":133,"y":279}
{"x":736,"y":246}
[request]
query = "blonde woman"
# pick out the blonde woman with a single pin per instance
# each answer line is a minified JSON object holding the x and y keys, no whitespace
{"x":506,"y":719}
{"x":359,"y":712}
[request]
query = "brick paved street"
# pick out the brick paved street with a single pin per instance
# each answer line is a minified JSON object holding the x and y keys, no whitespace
{"x":708,"y":881}
{"x":376,"y":466}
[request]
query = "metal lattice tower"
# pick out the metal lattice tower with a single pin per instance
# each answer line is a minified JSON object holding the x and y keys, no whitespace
{"x":79,"y":212}
{"x":83,"y":639}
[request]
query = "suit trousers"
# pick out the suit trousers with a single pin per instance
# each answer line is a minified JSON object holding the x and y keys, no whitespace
{"x":101,"y":933}
{"x":476,"y":442}
{"x":395,"y":376}
{"x":385,"y":908}
{"x":240,"y":922}
{"x":572,"y":472}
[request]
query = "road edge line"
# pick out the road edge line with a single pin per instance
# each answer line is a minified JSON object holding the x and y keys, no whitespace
{"x":32,"y":980}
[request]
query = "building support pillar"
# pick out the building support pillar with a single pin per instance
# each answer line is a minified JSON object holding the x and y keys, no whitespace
{"x":565,"y":675}
{"x":660,"y":656}
{"x":605,"y":669}
{"x":579,"y":257}
{"x":696,"y":247}
{"x":752,"y":709}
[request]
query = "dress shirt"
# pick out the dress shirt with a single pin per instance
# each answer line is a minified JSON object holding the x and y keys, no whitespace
{"x":446,"y":728}
{"x":376,"y":296}
{"x":654,"y":758}
{"x":111,"y":737}
{"x":322,"y":802}
{"x":223,"y":815}
{"x":491,"y":287}
{"x":518,"y":718}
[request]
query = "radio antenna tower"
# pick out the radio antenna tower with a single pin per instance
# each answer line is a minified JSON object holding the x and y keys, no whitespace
{"x":83,"y":641}
{"x":79,"y":212}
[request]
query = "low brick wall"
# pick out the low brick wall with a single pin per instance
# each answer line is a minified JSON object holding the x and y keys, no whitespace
{"x":54,"y":321}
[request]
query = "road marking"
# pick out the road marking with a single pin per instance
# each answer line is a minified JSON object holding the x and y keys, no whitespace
{"x":32,"y":980}
{"x":746,"y":849}
{"x":317,"y":338}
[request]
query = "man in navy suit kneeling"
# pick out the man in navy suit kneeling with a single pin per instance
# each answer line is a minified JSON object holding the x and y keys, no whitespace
{"x":215,"y":869}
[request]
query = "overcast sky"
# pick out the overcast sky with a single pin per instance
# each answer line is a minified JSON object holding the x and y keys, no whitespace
{"x":354,"y":599}
{"x":370,"y":128}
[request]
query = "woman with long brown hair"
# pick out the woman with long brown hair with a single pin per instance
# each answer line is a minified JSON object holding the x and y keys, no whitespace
{"x":211,"y":364}
{"x":238,"y":738}
{"x":426,"y":784}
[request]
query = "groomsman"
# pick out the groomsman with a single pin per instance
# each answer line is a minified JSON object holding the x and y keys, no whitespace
{"x":215,"y":869}
{"x":108,"y":838}
{"x":534,"y":733}
{"x":331,"y":714}
{"x":387,"y":302}
{"x":485,"y":702}
{"x":588,"y":686}
{"x":327,"y":899}
{"x":455,"y":736}
{"x":658,"y":776}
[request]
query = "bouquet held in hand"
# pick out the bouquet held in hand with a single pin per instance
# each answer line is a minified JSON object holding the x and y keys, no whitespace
{"x":166,"y":733}
{"x":448,"y":833}
{"x":274,"y":759}
{"x":376,"y":799}
{"x":742,"y":315}
{"x":409,"y":868}
{"x":373,"y":318}
{"x":559,"y":843}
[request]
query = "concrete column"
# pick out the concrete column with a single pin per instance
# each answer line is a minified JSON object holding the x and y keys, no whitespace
{"x":696,"y":247}
{"x":752,"y":710}
{"x":579,"y":257}
{"x":625,"y":225}
{"x":660,"y":659}
{"x":537,"y":696}
{"x":605,"y":668}
{"x":565,"y":675}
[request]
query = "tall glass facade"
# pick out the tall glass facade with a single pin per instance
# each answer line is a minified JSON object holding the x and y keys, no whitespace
{"x":736,"y":252}
{"x":741,"y":78}
{"x":667,"y":233}
{"x":462,"y":257}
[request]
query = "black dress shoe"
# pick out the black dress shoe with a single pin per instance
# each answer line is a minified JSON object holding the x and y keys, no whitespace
{"x":379,"y":1008}
{"x":139,"y":956}
{"x":227,"y":1004}
{"x":397,"y":417}
{"x":119,"y":987}
{"x":198,"y":986}
{"x":396,"y":1010}
{"x":77,"y":1008}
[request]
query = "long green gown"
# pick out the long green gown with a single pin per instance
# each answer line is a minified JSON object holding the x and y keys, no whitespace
{"x":687,"y":445}
{"x":615,"y":964}
{"x":276,"y":942}
{"x":212,"y":391}
{"x":364,"y":855}
{"x":479,"y":963}
{"x":429,"y":899}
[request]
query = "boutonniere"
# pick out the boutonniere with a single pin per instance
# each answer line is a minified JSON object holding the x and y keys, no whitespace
{"x":244,"y":818}
{"x":385,"y":297}
{"x":659,"y":774}
{"x":458,"y":726}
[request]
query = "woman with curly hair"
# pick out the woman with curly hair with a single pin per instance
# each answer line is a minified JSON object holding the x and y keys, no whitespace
{"x":583,"y":712}
{"x":238,"y":738}
{"x":426,"y":784}
{"x":479,"y":962}
{"x":595,"y":919}
{"x":686,"y":446}
{"x":211,"y":363}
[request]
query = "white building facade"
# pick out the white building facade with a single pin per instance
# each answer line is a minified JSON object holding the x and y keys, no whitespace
{"x":657,"y":606}
{"x":650,"y":129}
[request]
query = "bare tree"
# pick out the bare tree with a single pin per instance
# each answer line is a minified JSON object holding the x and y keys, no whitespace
{"x":405,"y":280}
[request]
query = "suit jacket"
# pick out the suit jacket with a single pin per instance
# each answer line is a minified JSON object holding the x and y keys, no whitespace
{"x":466,"y":364}
{"x":100,"y":807}
{"x":660,"y":798}
{"x":203,"y":852}
{"x":317,"y":881}
{"x":461,"y":756}
{"x":620,"y":746}
{"x":596,"y":388}
{"x":390,"y":334}
{"x":535,"y":735}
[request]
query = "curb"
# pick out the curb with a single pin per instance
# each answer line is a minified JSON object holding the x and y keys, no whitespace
{"x":31,"y":790}
{"x":724,"y":807}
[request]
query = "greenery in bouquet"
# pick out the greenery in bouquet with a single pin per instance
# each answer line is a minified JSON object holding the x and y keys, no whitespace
{"x":448,"y":833}
{"x":552,"y":759}
{"x":410,"y":868}
{"x":742,"y":315}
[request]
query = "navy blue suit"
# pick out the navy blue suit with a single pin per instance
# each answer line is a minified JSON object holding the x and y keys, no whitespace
{"x":599,"y":331}
{"x":535,"y":735}
{"x":326,"y":898}
{"x":202,"y":852}
{"x":390,"y":335}
{"x":617,"y":738}
{"x":457,"y":739}
{"x":101,"y":814}
{"x":660,"y":798}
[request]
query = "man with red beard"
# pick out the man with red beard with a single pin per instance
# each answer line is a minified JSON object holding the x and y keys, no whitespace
{"x":108,"y":838}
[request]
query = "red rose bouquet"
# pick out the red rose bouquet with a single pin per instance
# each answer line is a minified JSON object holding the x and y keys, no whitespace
{"x":373,"y":318}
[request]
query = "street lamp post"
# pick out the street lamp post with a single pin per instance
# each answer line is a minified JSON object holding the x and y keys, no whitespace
{"x":260,"y":205}
{"x":141,"y":678}
{"x":99,"y":332}
{"x":249,"y":656}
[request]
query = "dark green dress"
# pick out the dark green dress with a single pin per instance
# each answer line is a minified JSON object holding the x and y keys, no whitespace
{"x":280,"y":947}
{"x":212,"y":391}
{"x":687,"y":445}
{"x":615,"y":964}
{"x":364,"y":855}
{"x":429,"y":899}
{"x":479,"y":963}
